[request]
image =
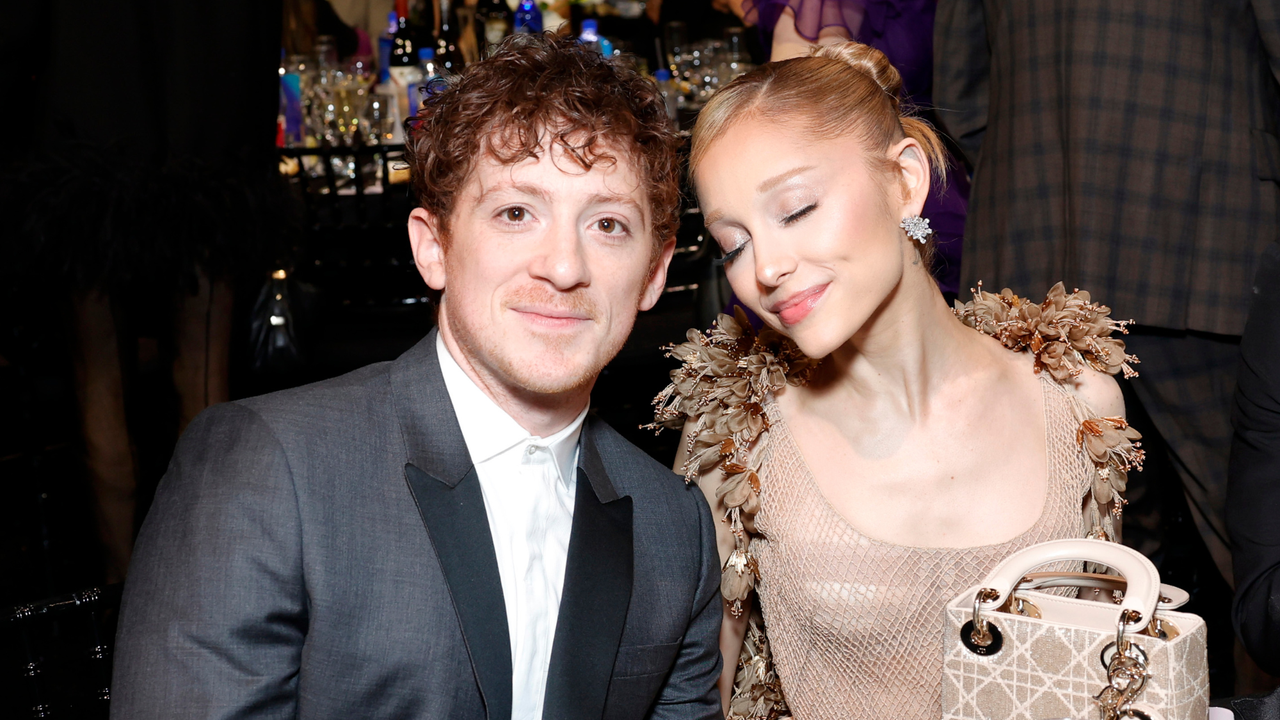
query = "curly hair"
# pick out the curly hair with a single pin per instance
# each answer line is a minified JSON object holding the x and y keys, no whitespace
{"x":532,"y":86}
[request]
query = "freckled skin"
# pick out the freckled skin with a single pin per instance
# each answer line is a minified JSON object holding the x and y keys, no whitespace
{"x":543,"y":271}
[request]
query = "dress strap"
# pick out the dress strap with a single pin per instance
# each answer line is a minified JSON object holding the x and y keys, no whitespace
{"x":1067,"y":333}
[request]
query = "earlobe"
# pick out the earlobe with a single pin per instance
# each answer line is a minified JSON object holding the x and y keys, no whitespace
{"x":658,"y":278}
{"x":426,"y":242}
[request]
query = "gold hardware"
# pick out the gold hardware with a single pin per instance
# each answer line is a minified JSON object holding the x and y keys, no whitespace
{"x":1019,"y":605}
{"x":981,"y":636}
{"x":1162,"y":629}
{"x":1126,"y":674}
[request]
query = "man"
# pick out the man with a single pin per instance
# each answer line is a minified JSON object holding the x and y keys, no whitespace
{"x":1129,"y":149}
{"x":449,"y":535}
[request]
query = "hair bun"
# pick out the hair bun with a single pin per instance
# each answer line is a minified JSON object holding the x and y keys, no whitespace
{"x":865,"y":59}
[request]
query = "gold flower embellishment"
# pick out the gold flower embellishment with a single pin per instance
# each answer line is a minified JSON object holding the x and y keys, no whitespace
{"x":1066,"y":333}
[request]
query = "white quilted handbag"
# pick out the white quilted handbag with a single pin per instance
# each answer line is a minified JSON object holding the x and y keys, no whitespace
{"x":1014,"y":652}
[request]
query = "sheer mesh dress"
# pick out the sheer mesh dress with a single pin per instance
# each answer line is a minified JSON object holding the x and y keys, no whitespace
{"x":855,"y":624}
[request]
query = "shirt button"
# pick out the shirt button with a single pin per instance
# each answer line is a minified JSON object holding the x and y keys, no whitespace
{"x":532,"y":449}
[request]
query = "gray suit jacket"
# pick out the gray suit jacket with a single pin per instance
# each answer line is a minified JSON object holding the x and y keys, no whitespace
{"x":324,"y":553}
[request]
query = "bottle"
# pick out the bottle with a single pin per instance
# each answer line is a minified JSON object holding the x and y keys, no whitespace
{"x":448,"y":56}
{"x":590,"y":36}
{"x":291,"y":117}
{"x":494,"y":21}
{"x":670,"y":94}
{"x":385,"y":42}
{"x":528,"y":17}
{"x":404,"y":59}
{"x":427,"y":73}
{"x":403,"y":48}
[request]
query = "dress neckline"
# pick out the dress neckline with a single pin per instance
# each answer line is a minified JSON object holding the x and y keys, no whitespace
{"x":778,"y":421}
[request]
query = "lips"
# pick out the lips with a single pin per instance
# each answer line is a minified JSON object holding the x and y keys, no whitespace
{"x":797,"y":307}
{"x":550,"y":317}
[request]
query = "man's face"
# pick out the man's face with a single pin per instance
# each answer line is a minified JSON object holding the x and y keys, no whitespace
{"x":543,"y":270}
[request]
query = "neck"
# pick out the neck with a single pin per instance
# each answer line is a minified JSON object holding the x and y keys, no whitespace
{"x":541,"y":414}
{"x":909,"y":347}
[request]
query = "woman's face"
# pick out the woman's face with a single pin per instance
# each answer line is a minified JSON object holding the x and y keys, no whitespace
{"x":810,"y":232}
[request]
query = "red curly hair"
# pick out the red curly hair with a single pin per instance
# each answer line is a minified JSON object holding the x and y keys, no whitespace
{"x":532,"y":86}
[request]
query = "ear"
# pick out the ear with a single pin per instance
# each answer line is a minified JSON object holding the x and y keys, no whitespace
{"x":658,"y":278}
{"x":913,"y":174}
{"x":428,"y":247}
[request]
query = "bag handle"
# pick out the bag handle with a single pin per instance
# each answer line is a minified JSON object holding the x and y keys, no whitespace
{"x":1143,"y":580}
{"x":1171,"y":598}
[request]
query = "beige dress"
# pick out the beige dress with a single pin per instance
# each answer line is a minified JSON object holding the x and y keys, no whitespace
{"x":852,"y":625}
{"x":855,"y":624}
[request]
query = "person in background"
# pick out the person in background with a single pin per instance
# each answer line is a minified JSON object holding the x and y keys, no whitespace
{"x":450,"y":535}
{"x":1134,"y":152}
{"x":903,"y":31}
{"x":1253,"y":480}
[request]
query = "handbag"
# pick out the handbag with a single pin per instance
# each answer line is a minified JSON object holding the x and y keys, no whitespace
{"x":1015,"y":652}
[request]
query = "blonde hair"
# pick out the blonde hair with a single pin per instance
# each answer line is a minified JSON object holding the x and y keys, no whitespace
{"x":840,"y":89}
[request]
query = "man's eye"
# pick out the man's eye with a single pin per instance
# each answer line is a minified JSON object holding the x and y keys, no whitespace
{"x":514,"y":214}
{"x":611,"y":226}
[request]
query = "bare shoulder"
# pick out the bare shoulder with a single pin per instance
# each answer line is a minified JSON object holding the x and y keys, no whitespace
{"x":1100,"y":391}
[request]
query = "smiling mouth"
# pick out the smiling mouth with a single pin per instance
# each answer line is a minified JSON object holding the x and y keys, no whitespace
{"x":551,"y":318}
{"x":797,"y":307}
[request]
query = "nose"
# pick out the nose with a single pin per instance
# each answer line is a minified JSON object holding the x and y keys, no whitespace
{"x":773,"y":262}
{"x":561,"y":258}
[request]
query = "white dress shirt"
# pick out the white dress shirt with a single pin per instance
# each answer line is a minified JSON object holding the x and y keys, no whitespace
{"x":528,"y":485}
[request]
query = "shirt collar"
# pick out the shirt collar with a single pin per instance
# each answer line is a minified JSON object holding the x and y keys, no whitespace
{"x":489,"y":431}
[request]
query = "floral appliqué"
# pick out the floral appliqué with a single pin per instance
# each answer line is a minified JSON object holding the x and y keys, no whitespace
{"x":1067,"y":333}
{"x":722,"y":384}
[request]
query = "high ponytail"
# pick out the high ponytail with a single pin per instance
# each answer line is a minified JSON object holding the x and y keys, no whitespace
{"x":842,"y":88}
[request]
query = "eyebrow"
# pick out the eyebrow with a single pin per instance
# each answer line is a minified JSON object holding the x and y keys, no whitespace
{"x":522,"y":188}
{"x":715,"y":216}
{"x":780,"y":178}
{"x":606,"y":198}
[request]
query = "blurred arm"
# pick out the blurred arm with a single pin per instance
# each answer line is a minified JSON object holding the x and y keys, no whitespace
{"x":1253,"y":480}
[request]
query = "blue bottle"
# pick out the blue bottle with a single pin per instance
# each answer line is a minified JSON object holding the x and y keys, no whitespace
{"x":528,"y":17}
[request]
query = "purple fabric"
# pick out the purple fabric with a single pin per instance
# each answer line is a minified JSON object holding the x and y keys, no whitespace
{"x":811,"y":15}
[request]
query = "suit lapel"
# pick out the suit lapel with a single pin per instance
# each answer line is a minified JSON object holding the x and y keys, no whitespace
{"x":446,"y":490}
{"x":459,"y":529}
{"x":596,"y":596}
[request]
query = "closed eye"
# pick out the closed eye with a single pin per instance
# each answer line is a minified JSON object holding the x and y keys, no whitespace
{"x":799,"y":214}
{"x":732,"y":254}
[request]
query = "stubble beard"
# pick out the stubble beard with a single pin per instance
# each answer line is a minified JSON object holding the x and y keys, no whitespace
{"x":515,"y":372}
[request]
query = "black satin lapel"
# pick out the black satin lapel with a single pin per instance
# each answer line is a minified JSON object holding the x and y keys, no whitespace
{"x":459,"y":529}
{"x":593,"y":607}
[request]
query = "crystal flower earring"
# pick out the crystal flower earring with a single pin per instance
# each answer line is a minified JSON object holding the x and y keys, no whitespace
{"x":917,"y":228}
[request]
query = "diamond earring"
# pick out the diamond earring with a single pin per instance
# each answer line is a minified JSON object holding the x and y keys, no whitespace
{"x":917,"y":228}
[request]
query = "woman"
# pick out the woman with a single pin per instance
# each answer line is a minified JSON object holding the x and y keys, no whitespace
{"x":872,"y":455}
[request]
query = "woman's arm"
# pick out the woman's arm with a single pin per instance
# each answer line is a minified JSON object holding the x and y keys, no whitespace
{"x":732,"y":630}
{"x":789,"y":43}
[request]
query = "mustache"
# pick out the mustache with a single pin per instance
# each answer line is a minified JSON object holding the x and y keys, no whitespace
{"x":576,"y":301}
